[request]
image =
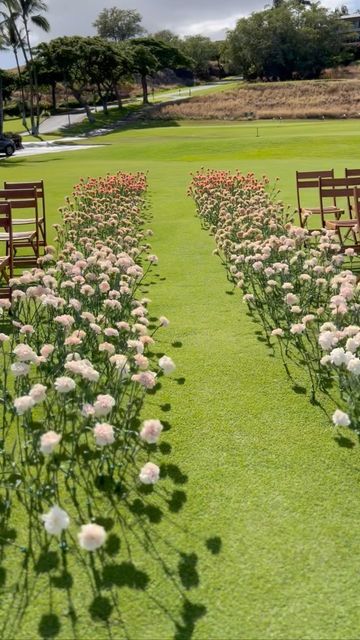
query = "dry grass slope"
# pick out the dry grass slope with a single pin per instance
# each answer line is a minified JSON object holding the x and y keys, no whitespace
{"x":306,"y":99}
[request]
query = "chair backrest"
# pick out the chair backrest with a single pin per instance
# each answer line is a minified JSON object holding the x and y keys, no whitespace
{"x":38,"y":184}
{"x":350,"y":173}
{"x":310,"y":180}
{"x":20,"y":198}
{"x":337,"y":188}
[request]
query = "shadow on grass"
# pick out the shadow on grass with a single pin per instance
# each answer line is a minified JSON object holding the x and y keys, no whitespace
{"x":118,"y":565}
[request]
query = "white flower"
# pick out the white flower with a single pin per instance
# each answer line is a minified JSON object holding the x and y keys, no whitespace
{"x":3,"y":337}
{"x":55,"y":521}
{"x":337,"y":356}
{"x":49,"y":441}
{"x":92,"y":536}
{"x":340,"y":419}
{"x":38,"y":393}
{"x":64,"y":384}
{"x":150,"y":473}
{"x":150,"y":431}
{"x":20,"y":369}
{"x":353,"y":366}
{"x":103,"y":405}
{"x":164,"y":322}
{"x":277,"y":332}
{"x":327,"y":340}
{"x":167,"y":365}
{"x":23,"y":404}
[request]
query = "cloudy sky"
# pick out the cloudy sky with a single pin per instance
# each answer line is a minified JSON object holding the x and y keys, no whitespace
{"x":185,"y":17}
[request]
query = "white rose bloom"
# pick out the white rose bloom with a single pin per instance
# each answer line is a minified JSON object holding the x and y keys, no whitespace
{"x":55,"y":521}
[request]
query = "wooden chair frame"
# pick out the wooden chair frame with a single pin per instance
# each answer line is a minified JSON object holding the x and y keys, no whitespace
{"x":310,"y":180}
{"x":40,"y":193}
{"x":6,"y":262}
{"x":22,"y":199}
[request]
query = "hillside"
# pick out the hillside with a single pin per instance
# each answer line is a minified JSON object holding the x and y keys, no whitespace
{"x":298,"y":99}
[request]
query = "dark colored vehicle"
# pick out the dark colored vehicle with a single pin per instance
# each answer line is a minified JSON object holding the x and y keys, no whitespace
{"x":7,"y":145}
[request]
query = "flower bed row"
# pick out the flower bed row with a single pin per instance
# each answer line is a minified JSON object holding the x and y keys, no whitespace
{"x":293,"y":280}
{"x":77,"y":354}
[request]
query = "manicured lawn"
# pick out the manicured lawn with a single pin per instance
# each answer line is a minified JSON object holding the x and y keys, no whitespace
{"x":253,"y":533}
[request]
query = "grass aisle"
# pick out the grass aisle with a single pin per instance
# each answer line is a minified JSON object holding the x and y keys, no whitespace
{"x":265,"y":474}
{"x":254,"y":530}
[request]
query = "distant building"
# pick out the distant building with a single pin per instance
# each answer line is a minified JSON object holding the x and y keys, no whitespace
{"x":352,"y":21}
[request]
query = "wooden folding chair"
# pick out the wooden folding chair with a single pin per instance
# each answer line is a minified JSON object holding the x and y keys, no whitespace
{"x":310,"y":180}
{"x":339,"y":188}
{"x":40,"y":193}
{"x":23,"y":199}
{"x":6,"y":261}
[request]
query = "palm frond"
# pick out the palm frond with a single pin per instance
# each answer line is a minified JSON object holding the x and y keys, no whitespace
{"x":41,"y":22}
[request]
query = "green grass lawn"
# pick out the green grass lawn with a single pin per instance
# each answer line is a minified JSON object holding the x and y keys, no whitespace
{"x":253,"y":533}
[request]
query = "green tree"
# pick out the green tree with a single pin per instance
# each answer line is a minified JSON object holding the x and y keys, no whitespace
{"x":150,"y":55}
{"x":71,"y":58}
{"x":108,"y":64}
{"x":6,"y":88}
{"x":291,"y":40}
{"x":201,"y":50}
{"x":165,"y":35}
{"x":118,"y":24}
{"x":47,"y":72}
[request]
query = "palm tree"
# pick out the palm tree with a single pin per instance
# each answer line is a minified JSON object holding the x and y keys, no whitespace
{"x":25,"y":13}
{"x":13,"y":39}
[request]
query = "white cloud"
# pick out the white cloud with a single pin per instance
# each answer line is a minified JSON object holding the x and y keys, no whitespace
{"x":209,"y":27}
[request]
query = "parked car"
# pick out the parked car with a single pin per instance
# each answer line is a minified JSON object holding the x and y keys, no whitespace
{"x":7,"y":145}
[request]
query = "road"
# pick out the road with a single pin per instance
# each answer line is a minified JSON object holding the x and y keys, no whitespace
{"x":54,"y":123}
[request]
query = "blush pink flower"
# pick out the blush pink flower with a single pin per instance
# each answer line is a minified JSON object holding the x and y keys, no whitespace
{"x":49,"y":441}
{"x":146,"y":378}
{"x":38,"y":393}
{"x":149,"y":474}
{"x":151,"y":430}
{"x":91,"y":536}
{"x":104,"y":434}
{"x":103,"y":405}
{"x":23,"y":404}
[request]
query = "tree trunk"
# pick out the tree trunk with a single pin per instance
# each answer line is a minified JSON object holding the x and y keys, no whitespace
{"x":23,"y":111}
{"x":1,"y":105}
{"x":53,"y":96}
{"x":118,"y":95}
{"x":144,"y":89}
{"x":77,"y":95}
